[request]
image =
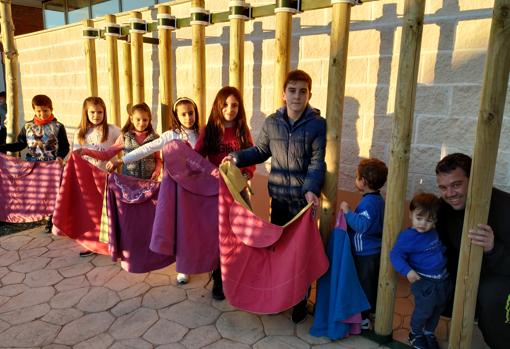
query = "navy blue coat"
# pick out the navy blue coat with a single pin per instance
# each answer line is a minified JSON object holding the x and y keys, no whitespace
{"x":297,"y":154}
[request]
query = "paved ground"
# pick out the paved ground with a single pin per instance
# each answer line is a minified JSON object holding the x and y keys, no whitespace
{"x":52,"y":298}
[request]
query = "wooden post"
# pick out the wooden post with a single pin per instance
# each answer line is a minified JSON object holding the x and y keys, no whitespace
{"x":236,"y":61}
{"x":283,"y":36}
{"x":127,"y":79}
{"x":410,"y":46}
{"x":113,"y":71}
{"x":165,"y":68}
{"x":137,"y":59}
{"x":90,"y":60}
{"x":11,"y":71}
{"x":488,"y":131}
{"x":339,"y":42}
{"x":198,"y":62}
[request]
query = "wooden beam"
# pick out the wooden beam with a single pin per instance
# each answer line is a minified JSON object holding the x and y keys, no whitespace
{"x":112,"y":57}
{"x":127,"y":80}
{"x":198,"y":64}
{"x":166,"y":77}
{"x":410,"y":47}
{"x":236,"y":60}
{"x":488,"y":131}
{"x":90,"y":60}
{"x":11,"y":71}
{"x":283,"y":37}
{"x":137,"y":62}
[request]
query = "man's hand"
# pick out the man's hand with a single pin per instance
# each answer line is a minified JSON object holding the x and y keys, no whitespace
{"x":483,"y":236}
{"x":413,"y":276}
{"x":312,"y":198}
{"x":344,"y":206}
{"x":228,"y":158}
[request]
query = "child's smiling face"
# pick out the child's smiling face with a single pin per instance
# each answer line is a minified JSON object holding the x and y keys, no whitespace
{"x":140,"y":120}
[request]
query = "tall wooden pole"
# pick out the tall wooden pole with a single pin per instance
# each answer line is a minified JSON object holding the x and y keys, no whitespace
{"x":126,"y":79}
{"x":283,"y":36}
{"x":488,"y":131}
{"x":113,"y":71}
{"x":339,"y":42}
{"x":198,"y":63}
{"x":236,"y":61}
{"x":410,"y":46}
{"x":11,"y":71}
{"x":165,"y":69}
{"x":137,"y":59}
{"x":90,"y":60}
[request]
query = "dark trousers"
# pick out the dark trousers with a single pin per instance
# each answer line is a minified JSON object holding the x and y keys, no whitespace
{"x":430,"y":299}
{"x":283,"y":211}
{"x":3,"y":135}
{"x":368,"y":275}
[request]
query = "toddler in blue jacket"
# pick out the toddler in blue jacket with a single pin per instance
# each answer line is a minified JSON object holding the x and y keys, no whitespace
{"x":365,"y":227}
{"x":419,"y":255}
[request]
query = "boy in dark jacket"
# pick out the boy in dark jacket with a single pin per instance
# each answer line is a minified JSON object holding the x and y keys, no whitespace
{"x":295,"y":139}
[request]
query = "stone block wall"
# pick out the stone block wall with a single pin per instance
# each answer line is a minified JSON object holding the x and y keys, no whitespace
{"x":455,"y":39}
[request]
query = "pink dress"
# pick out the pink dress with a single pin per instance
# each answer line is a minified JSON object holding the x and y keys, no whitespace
{"x":79,"y":204}
{"x":131,"y":209}
{"x":28,"y":190}
{"x":186,"y":221}
{"x":267,"y":268}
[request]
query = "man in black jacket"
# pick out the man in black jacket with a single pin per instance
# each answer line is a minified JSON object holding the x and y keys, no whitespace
{"x":493,"y":303}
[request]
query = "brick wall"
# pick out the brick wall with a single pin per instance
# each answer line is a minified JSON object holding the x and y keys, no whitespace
{"x":452,"y":60}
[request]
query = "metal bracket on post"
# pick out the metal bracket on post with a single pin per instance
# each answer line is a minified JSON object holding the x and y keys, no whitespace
{"x":292,"y":6}
{"x":239,"y":10}
{"x":91,"y":33}
{"x":113,"y":29}
{"x":166,"y":21}
{"x":352,"y":2}
{"x":137,"y":26}
{"x":200,"y":16}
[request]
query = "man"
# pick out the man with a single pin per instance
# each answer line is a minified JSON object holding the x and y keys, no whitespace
{"x":493,"y":303}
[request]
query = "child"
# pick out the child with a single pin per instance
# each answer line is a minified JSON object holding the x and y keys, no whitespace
{"x":295,"y":139}
{"x":137,"y":131}
{"x":365,"y":227}
{"x":183,"y":126}
{"x":94,"y":131}
{"x":44,"y":137}
{"x":419,"y":255}
{"x":226,"y":131}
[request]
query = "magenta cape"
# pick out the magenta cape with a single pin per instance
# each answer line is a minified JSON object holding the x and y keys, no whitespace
{"x":265,"y":268}
{"x":186,"y":221}
{"x":79,"y":204}
{"x":28,"y":190}
{"x":131,"y":209}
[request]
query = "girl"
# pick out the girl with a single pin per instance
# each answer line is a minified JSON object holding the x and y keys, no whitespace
{"x":183,"y":126}
{"x":137,"y":131}
{"x":226,"y":131}
{"x":94,"y":131}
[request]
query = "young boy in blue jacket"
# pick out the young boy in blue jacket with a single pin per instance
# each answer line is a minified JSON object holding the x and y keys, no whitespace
{"x":365,"y":227}
{"x":295,"y":139}
{"x":419,"y":255}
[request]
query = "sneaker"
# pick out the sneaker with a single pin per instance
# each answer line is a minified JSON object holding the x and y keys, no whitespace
{"x":217,"y":289}
{"x":365,"y":324}
{"x":299,"y":312}
{"x":182,"y":278}
{"x":86,"y":253}
{"x":418,"y":341}
{"x":432,"y":341}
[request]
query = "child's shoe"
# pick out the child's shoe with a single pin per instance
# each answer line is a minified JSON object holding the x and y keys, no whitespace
{"x":432,"y":341}
{"x":299,"y":312}
{"x":182,"y":278}
{"x":86,"y":253}
{"x":418,"y":341}
{"x":365,"y":324}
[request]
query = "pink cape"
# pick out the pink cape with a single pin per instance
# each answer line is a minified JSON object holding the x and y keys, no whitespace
{"x":266,"y":268}
{"x":27,"y":189}
{"x":131,"y":209}
{"x":79,"y":204}
{"x":186,"y":221}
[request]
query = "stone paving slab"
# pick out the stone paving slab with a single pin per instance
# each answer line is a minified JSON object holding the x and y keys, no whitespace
{"x":53,"y":299}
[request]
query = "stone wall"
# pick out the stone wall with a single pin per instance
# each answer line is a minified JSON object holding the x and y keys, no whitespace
{"x":453,"y":54}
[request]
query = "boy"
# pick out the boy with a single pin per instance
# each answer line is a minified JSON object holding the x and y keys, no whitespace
{"x":365,"y":227}
{"x":44,"y":136}
{"x":419,"y":255}
{"x":295,"y":139}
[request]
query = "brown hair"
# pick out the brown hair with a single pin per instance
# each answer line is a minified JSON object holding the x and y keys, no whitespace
{"x":453,"y":161}
{"x":140,"y":107}
{"x":85,"y":123}
{"x":298,"y":75}
{"x":426,"y":203}
{"x":42,"y":101}
{"x":175,"y":124}
{"x":374,"y":172}
{"x":214,"y":129}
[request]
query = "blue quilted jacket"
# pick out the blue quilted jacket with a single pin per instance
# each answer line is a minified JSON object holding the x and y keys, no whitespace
{"x":296,"y":151}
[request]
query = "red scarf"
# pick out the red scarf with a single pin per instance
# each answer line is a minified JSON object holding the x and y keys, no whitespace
{"x":41,"y":122}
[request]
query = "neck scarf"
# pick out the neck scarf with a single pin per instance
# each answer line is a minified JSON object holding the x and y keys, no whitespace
{"x":41,"y":122}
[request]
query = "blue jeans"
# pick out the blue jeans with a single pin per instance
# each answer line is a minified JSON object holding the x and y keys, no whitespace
{"x":430,"y":298}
